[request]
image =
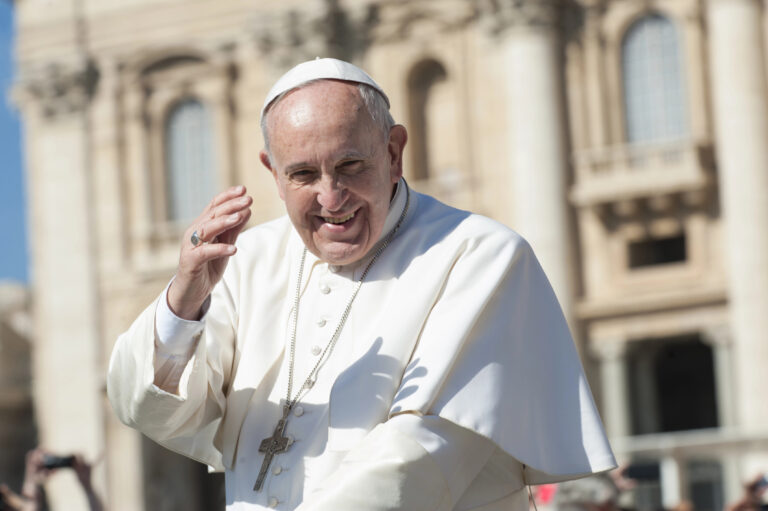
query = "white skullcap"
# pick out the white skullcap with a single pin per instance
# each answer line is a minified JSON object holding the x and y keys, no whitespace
{"x":320,"y":69}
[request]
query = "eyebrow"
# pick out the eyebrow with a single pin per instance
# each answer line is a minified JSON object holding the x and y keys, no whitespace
{"x":347,"y":156}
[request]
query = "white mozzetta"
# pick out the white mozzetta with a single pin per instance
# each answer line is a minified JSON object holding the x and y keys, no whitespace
{"x":456,"y":320}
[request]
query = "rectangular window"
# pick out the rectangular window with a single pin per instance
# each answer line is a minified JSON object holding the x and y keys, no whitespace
{"x":672,"y":385}
{"x":655,"y":251}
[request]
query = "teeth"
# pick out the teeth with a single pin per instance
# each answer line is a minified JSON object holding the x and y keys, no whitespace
{"x":341,"y":220}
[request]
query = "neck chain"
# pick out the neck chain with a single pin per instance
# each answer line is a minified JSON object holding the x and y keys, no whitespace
{"x":309,"y":382}
{"x":278,"y":443}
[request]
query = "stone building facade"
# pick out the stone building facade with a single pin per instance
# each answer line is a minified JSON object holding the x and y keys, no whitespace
{"x":624,"y":138}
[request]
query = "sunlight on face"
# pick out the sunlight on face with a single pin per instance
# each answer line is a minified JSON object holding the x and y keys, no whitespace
{"x":333,"y":168}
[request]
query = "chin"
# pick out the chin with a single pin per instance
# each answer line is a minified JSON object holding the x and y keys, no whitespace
{"x":343,"y":256}
{"x":341,"y":260}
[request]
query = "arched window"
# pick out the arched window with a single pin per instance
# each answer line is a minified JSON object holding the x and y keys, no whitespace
{"x":190,"y":176}
{"x":654,"y":96}
{"x":422,"y":82}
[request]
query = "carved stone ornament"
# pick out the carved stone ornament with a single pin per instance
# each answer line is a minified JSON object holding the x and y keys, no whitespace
{"x":323,"y":29}
{"x":401,"y":20}
{"x":58,"y":89}
{"x":329,"y":28}
{"x":501,"y":15}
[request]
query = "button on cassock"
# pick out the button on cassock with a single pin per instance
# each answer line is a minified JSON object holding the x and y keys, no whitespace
{"x":277,"y":470}
{"x":272,"y":502}
{"x":325,"y":289}
{"x":316,"y":350}
{"x":321,"y":322}
{"x":298,"y":412}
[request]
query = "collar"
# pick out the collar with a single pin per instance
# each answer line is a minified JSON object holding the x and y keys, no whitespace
{"x":396,"y":206}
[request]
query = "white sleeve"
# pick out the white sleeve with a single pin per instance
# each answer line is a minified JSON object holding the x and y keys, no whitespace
{"x":409,"y":462}
{"x":175,"y":342}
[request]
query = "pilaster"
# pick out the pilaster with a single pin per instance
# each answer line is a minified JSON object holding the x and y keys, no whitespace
{"x":536,"y":119}
{"x":55,"y":99}
{"x":614,"y":384}
{"x":740,"y":98}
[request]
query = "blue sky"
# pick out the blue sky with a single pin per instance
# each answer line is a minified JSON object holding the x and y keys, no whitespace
{"x":13,"y":248}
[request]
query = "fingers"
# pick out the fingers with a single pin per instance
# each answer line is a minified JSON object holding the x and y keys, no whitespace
{"x":206,"y":253}
{"x":208,"y":231}
{"x":233,"y":205}
{"x":227,"y":195}
{"x":228,"y":210}
{"x":231,"y":235}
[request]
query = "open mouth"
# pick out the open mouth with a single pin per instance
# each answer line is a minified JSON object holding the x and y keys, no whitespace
{"x":339,"y":220}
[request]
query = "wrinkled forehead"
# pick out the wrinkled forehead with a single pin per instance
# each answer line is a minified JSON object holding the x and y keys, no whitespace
{"x":318,"y":100}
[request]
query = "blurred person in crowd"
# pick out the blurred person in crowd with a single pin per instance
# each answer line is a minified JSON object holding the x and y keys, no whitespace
{"x":595,"y":493}
{"x":374,"y":349}
{"x":39,"y":465}
{"x":754,"y":495}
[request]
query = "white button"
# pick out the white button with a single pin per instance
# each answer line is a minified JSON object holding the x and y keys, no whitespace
{"x":291,"y":439}
{"x":334,"y":268}
{"x":316,"y":350}
{"x":321,"y":322}
{"x":277,"y":470}
{"x":298,"y":411}
{"x":325,"y":289}
{"x":273,"y":502}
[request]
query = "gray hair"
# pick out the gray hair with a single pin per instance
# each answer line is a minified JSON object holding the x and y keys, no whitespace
{"x":374,"y":102}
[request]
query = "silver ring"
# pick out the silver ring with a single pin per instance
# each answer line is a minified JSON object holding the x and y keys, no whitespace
{"x":195,"y":239}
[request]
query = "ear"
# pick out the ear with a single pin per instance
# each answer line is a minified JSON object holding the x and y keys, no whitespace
{"x":398,"y":137}
{"x":264,"y":157}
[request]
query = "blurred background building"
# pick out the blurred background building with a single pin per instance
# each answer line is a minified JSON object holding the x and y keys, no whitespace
{"x":626,"y":139}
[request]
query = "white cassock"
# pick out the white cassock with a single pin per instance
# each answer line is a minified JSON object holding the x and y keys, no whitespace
{"x":453,"y":384}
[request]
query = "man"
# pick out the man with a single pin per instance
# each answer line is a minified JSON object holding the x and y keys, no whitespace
{"x":373,"y":350}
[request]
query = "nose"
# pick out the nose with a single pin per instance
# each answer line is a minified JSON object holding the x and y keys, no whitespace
{"x":332,"y":194}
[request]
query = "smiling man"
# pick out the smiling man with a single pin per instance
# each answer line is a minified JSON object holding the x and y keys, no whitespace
{"x":373,"y":350}
{"x":335,"y":168}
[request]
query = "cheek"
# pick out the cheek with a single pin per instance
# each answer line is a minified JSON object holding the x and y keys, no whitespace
{"x":299,"y":204}
{"x":280,"y":184}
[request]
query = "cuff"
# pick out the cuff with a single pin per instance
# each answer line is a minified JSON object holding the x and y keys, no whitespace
{"x":176,"y":335}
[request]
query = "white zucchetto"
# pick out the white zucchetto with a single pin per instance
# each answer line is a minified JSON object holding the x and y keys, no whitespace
{"x":320,"y":69}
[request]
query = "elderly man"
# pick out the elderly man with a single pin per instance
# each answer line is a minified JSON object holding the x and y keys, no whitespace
{"x":375,"y":350}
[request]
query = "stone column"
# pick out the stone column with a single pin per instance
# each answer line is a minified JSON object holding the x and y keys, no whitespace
{"x":594,"y":44}
{"x":614,"y":386}
{"x":672,"y":482}
{"x":68,"y":376}
{"x":720,"y":340}
{"x":137,"y":162}
{"x":537,"y":145}
{"x":740,"y":99}
{"x":123,"y":454}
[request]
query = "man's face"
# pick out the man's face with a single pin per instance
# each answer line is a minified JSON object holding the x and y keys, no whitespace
{"x":334,"y":168}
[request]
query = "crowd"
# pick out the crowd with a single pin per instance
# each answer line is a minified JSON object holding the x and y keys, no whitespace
{"x":604,"y":492}
{"x":40,"y":465}
{"x":601,"y":492}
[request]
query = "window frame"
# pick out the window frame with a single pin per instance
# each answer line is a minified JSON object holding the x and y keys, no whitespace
{"x":680,"y":85}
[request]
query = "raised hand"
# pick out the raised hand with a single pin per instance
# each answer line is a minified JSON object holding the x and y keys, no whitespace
{"x":204,"y":256}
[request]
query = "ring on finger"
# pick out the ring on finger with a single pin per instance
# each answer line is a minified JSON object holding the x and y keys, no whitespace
{"x":195,"y":239}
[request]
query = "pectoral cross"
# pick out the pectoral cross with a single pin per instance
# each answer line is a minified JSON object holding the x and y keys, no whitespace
{"x":275,"y":444}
